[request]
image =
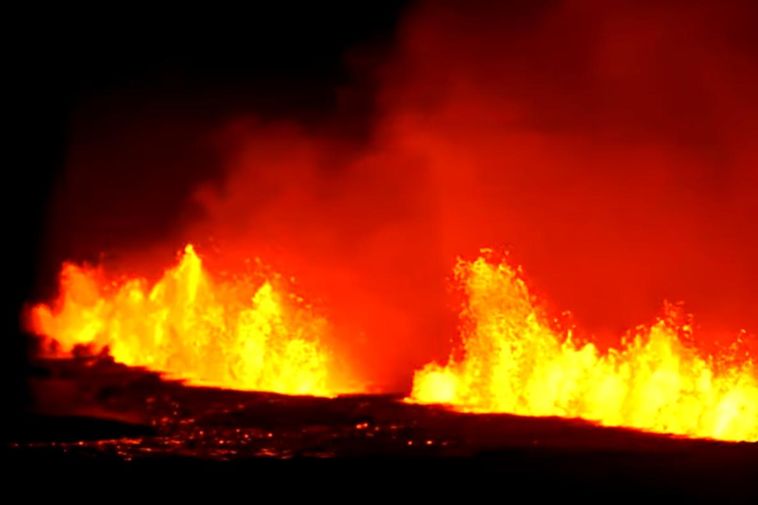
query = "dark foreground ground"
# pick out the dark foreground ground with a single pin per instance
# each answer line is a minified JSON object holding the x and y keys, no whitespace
{"x":100,"y":424}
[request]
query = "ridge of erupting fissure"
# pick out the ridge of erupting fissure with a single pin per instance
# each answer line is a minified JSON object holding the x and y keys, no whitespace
{"x":242,"y":335}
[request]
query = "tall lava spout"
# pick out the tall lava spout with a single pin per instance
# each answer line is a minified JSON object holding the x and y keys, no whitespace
{"x":515,"y":359}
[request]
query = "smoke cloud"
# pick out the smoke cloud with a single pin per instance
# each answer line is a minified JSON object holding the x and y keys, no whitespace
{"x":610,"y":146}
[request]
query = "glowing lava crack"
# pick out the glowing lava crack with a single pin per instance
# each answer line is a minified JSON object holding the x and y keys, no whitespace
{"x":240,"y":334}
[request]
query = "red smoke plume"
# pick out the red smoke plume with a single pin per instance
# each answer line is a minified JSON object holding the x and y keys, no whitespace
{"x":609,"y":145}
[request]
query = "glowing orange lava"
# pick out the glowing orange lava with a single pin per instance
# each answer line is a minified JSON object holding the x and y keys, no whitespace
{"x":240,"y":334}
{"x":513,"y":361}
{"x":230,"y":334}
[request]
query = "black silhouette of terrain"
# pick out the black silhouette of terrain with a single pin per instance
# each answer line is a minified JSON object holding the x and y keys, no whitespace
{"x":99,"y":418}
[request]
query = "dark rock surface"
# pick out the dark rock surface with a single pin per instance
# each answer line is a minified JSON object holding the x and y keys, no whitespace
{"x":98,"y":418}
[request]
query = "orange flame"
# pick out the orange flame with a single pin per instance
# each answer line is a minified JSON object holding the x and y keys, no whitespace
{"x":515,"y":362}
{"x":192,"y":327}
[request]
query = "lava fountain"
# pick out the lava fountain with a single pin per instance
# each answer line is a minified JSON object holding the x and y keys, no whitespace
{"x":515,"y":360}
{"x":233,"y":333}
{"x":241,"y":334}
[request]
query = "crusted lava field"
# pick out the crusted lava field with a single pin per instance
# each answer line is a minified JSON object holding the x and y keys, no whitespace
{"x":96,"y":416}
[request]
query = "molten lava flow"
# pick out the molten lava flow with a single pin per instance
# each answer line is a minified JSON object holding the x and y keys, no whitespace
{"x":191,"y":326}
{"x":513,"y":361}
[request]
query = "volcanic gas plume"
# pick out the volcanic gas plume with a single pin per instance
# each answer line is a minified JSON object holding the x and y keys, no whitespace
{"x":609,"y":145}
